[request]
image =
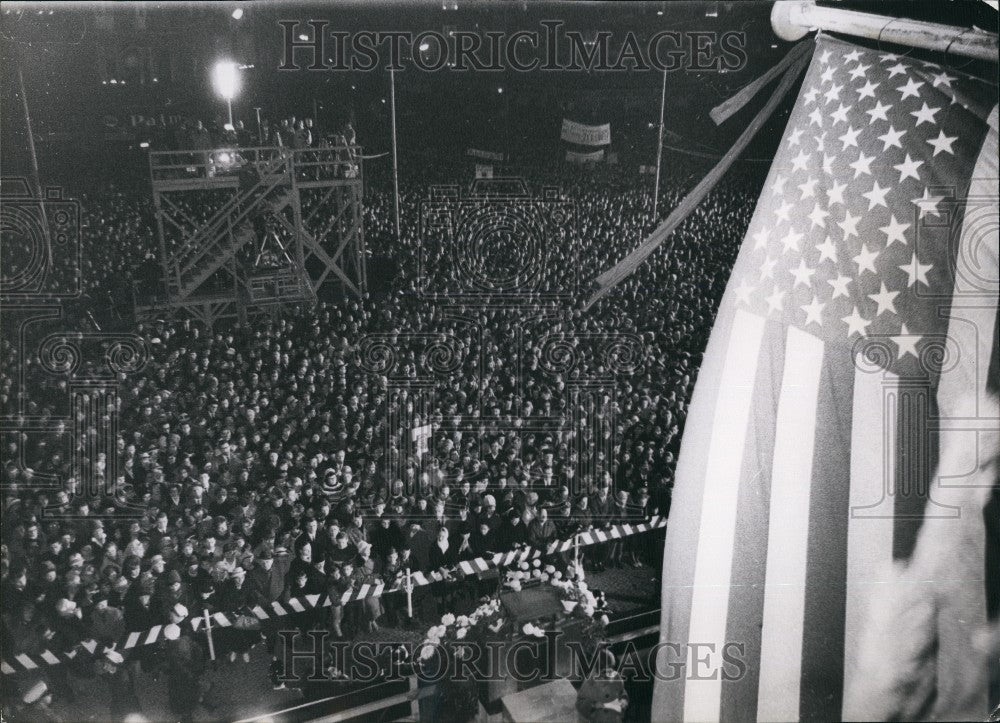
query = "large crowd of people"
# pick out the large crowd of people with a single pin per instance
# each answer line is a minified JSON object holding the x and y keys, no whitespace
{"x":260,"y":463}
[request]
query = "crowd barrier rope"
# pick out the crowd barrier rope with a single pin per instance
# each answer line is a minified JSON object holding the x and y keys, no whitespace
{"x":407,"y":583}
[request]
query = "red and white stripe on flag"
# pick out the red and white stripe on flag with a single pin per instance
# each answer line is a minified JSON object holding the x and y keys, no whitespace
{"x":831,"y":488}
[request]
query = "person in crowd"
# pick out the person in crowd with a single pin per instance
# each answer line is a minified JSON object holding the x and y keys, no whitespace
{"x":541,"y":530}
{"x":36,"y":705}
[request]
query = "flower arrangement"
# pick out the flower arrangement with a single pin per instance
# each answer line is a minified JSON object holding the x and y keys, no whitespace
{"x":533,"y":630}
{"x":456,"y":699}
{"x":574,"y":592}
{"x":486,"y":621}
{"x":527,"y":574}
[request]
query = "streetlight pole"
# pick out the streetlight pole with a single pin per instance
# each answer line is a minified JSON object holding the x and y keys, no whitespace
{"x":659,"y":145}
{"x":226,"y":79}
{"x":395,"y":161}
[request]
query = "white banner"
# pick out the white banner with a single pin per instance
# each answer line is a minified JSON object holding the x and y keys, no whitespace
{"x":584,"y":135}
{"x":484,"y":171}
{"x":421,"y":438}
{"x":485,"y":155}
{"x":574,"y":157}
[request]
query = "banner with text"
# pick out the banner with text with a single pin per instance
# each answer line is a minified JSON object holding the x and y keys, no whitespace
{"x":575,"y":157}
{"x":485,"y":155}
{"x":584,"y":135}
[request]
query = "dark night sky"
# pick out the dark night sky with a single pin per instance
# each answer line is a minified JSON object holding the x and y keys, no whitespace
{"x":60,"y":48}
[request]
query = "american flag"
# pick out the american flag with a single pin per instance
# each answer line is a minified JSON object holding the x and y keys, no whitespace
{"x":825,"y":500}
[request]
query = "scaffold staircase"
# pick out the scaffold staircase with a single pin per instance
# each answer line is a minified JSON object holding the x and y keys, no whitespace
{"x":208,"y":267}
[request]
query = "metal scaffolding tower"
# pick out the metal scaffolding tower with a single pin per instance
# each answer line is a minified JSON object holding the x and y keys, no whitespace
{"x":251,"y":231}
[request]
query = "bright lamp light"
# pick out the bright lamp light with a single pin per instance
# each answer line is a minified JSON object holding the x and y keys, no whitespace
{"x":237,"y":13}
{"x":226,"y":79}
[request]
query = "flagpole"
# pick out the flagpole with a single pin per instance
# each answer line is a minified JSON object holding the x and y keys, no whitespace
{"x":659,"y":145}
{"x":34,"y":163}
{"x":395,"y":166}
{"x":208,"y":633}
{"x":793,"y":19}
{"x":409,"y":595}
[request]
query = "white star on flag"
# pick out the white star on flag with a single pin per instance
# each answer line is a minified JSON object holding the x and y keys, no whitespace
{"x":827,"y":250}
{"x":890,"y":139}
{"x":876,"y":196}
{"x":906,"y":342}
{"x":791,"y":240}
{"x":767,"y":268}
{"x":879,"y":111}
{"x":858,"y":71}
{"x":884,"y":298}
{"x":928,"y":204}
{"x":897,"y":69}
{"x":850,"y":138}
{"x":803,"y":275}
{"x":744,"y":290}
{"x":862,"y":166}
{"x":908,"y":168}
{"x":801,"y":161}
{"x":925,"y":115}
{"x":814,"y":311}
{"x":943,"y":79}
{"x":943,"y":143}
{"x":782,"y":210}
{"x":808,"y":188}
{"x":774,"y":300}
{"x":849,"y":225}
{"x":867,"y":90}
{"x":856,"y":324}
{"x":840,"y":115}
{"x":916,"y":272}
{"x":836,"y":194}
{"x":818,"y":216}
{"x":760,"y":239}
{"x":839,"y":285}
{"x":894,"y":232}
{"x":866,"y":259}
{"x":910,"y":89}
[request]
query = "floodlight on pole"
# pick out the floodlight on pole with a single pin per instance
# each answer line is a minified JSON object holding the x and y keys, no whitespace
{"x":226,"y":79}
